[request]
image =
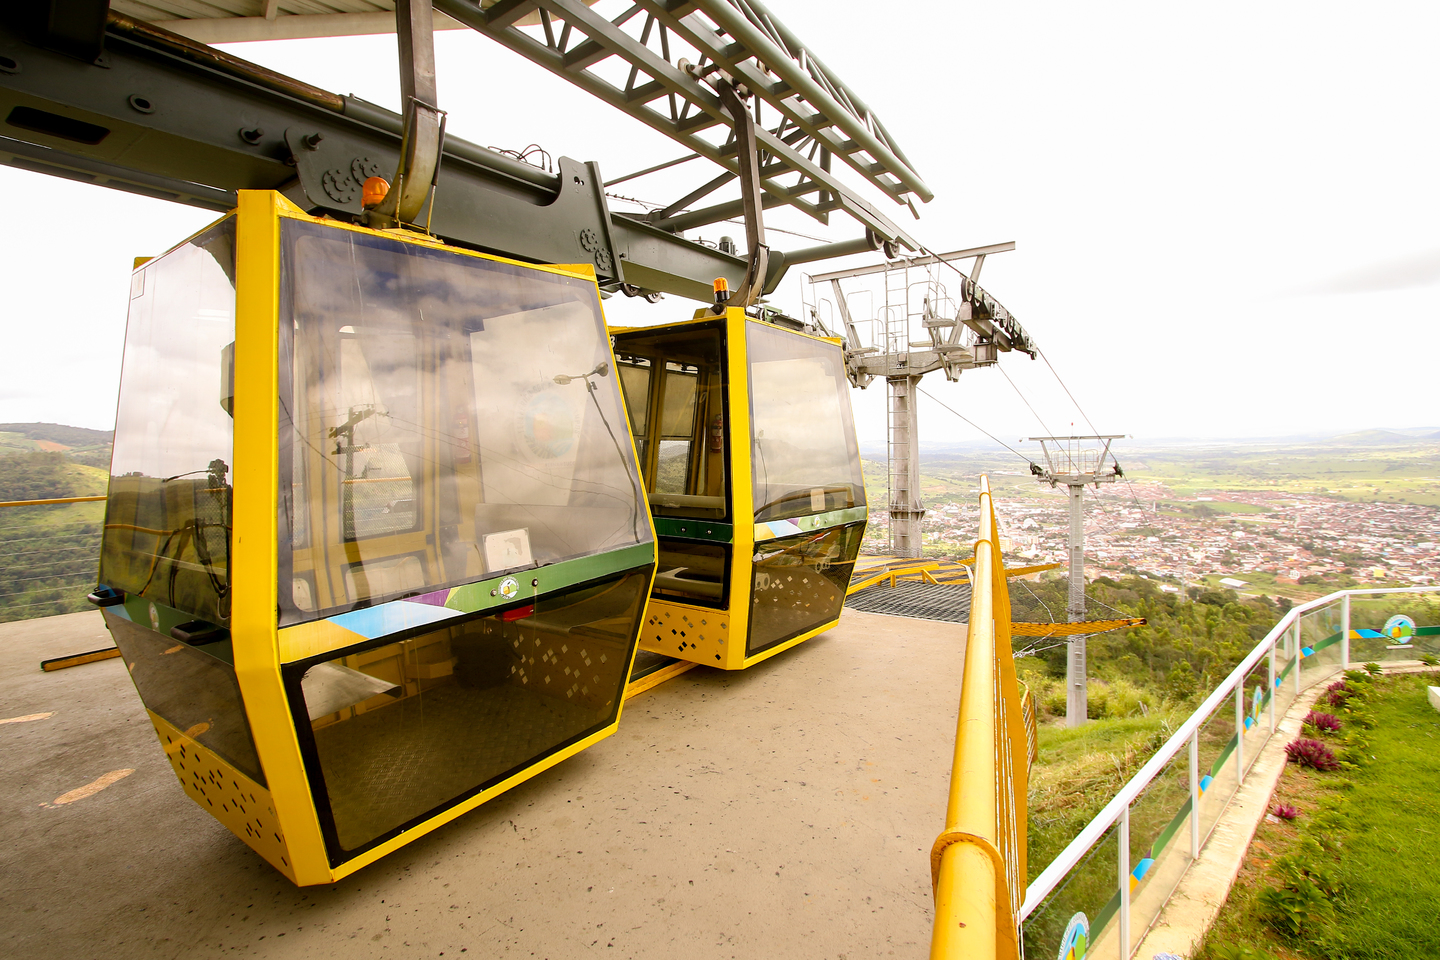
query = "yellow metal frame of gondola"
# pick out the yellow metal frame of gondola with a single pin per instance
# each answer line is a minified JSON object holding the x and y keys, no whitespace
{"x":298,"y":849}
{"x":723,"y":634}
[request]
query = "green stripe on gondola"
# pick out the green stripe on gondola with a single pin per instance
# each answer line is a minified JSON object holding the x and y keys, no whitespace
{"x":474,"y":597}
{"x":694,"y":530}
{"x":788,"y":527}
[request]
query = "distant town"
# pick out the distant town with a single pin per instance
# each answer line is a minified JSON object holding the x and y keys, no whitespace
{"x":1252,"y":541}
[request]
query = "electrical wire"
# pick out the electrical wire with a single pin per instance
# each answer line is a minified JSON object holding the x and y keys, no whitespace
{"x":1056,"y":374}
{"x":980,"y":428}
{"x":1048,"y":612}
{"x":1038,"y":419}
{"x":1032,"y":650}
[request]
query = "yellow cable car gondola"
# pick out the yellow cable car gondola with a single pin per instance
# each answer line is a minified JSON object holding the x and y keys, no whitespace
{"x":752,"y":470}
{"x":376,"y":547}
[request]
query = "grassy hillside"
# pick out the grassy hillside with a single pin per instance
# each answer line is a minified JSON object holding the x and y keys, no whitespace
{"x":1356,"y":874}
{"x":48,"y":554}
{"x":80,"y":444}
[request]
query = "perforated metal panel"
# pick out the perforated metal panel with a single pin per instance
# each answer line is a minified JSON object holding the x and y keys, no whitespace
{"x":701,"y":636}
{"x":242,"y":805}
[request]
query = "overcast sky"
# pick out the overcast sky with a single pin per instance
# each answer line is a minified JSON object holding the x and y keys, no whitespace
{"x":1226,"y":214}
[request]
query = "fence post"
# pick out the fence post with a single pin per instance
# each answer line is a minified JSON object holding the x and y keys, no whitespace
{"x":1272,"y":688}
{"x":1299,"y":656}
{"x":1240,"y":731}
{"x":1124,"y":859}
{"x":1194,"y":794}
{"x":1345,"y":632}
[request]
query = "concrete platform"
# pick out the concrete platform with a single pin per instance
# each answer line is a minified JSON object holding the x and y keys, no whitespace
{"x":787,"y":811}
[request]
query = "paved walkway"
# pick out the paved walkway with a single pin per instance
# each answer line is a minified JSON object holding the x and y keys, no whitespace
{"x":787,"y":811}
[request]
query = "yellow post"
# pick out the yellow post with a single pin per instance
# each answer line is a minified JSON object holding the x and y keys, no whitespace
{"x":978,"y":862}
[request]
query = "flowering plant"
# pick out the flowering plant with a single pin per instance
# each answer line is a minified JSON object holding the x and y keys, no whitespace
{"x":1313,"y":754}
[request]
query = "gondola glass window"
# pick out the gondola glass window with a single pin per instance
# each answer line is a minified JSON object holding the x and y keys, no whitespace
{"x":442,"y":424}
{"x":805,"y":458}
{"x":167,"y":517}
{"x":674,"y":388}
{"x":401,"y":730}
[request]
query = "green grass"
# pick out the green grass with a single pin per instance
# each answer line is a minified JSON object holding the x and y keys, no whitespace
{"x":1259,"y":582}
{"x":49,"y":555}
{"x":1076,"y":773}
{"x":1375,"y":828}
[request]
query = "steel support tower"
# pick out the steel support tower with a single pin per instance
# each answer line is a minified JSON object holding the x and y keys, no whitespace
{"x":903,"y":456}
{"x":1074,"y":462}
{"x":958,"y":334}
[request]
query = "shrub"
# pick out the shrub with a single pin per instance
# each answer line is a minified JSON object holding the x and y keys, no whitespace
{"x":1354,"y":756}
{"x":1286,"y":812}
{"x":1181,"y":682}
{"x":1292,"y":908}
{"x":1117,"y":698}
{"x":1360,"y":717}
{"x":1337,"y":694}
{"x":1052,"y":699}
{"x":1359,"y":678}
{"x":1374,"y":669}
{"x":1313,"y":754}
{"x":1326,"y":722}
{"x":1430,"y":660}
{"x":1300,"y":868}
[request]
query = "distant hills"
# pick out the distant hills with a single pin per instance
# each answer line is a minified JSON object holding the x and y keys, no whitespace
{"x":59,"y":433}
{"x":1369,"y":438}
{"x":1377,"y":437}
{"x":80,"y":444}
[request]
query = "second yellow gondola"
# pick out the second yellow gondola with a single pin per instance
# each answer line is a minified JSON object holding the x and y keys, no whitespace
{"x":746,"y":441}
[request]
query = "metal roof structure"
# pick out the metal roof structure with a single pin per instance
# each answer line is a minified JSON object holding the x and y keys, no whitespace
{"x":651,"y":60}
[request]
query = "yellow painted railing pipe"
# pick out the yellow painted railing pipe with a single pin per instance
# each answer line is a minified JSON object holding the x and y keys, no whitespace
{"x":978,"y":862}
{"x":42,"y":503}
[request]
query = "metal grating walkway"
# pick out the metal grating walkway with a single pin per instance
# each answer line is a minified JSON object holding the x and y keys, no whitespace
{"x":923,"y":601}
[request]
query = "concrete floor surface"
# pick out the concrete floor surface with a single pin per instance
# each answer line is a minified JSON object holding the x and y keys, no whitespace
{"x":787,"y":811}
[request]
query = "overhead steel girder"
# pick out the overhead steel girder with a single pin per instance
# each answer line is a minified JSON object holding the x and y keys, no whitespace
{"x":573,"y":39}
{"x":165,"y":117}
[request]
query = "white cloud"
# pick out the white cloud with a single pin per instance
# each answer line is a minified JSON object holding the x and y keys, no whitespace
{"x":1164,"y":169}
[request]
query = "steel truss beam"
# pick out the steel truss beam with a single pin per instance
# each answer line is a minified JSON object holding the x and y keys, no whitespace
{"x":812,"y":116}
{"x":166,"y":117}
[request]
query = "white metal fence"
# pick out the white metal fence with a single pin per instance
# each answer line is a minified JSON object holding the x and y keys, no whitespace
{"x":1126,"y":863}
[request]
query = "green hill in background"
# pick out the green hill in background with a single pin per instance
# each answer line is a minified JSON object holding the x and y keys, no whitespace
{"x":80,"y":444}
{"x":49,"y":553}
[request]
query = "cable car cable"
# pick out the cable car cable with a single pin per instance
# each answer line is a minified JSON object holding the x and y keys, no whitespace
{"x":1056,"y":374}
{"x":1026,"y":402}
{"x":980,"y":428}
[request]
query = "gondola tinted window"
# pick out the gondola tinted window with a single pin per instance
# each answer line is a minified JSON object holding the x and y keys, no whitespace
{"x":448,"y":419}
{"x":167,"y":517}
{"x":803,"y":450}
{"x":399,"y":731}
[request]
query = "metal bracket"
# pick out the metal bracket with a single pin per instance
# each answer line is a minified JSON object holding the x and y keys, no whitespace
{"x":419,"y":167}
{"x":747,"y":157}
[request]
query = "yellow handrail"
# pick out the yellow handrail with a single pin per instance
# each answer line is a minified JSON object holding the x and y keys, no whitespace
{"x":41,"y":503}
{"x":978,"y":862}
